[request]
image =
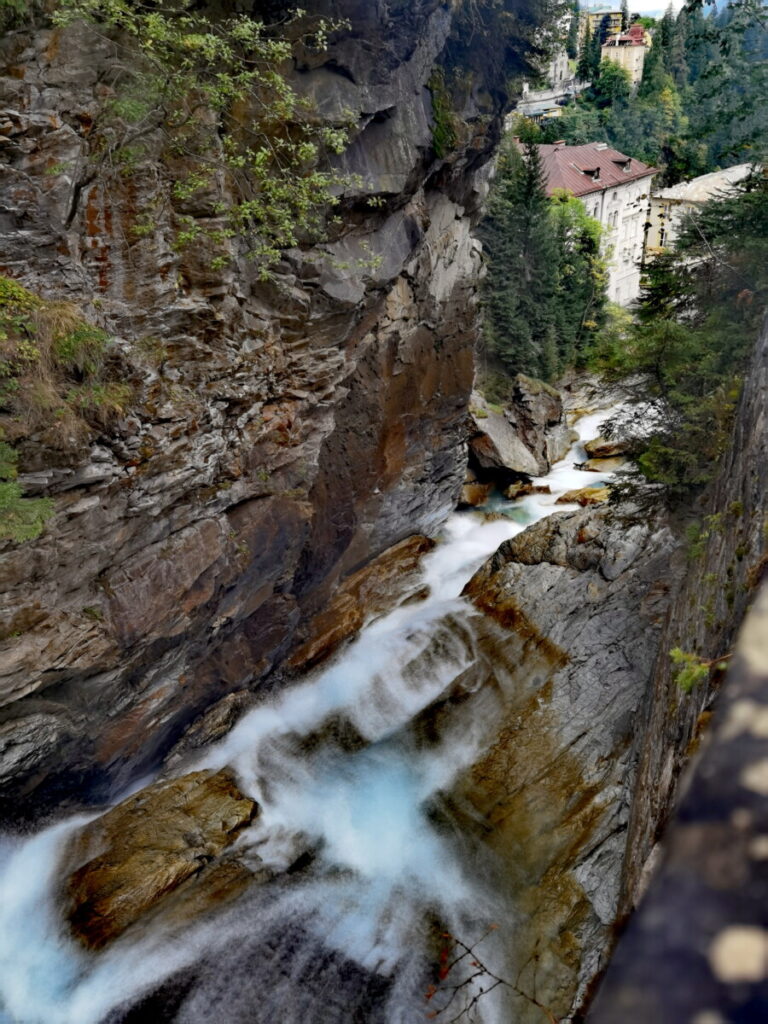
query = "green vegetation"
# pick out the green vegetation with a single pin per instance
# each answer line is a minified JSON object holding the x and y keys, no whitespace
{"x":701,"y":103}
{"x":53,"y":371}
{"x":444,"y":133}
{"x":699,"y":313}
{"x":691,"y":670}
{"x":56,"y":386}
{"x":545,"y":287}
{"x":208,"y":93}
{"x":20,"y":518}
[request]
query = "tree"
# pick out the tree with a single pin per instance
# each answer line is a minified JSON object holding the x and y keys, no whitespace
{"x":545,"y":290}
{"x":208,"y":90}
{"x":582,"y":278}
{"x":572,"y":42}
{"x":701,"y":306}
{"x":522,"y":263}
{"x":612,"y":85}
{"x":624,"y":15}
{"x":584,"y":64}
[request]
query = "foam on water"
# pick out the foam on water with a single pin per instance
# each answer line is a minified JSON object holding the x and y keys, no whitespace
{"x":381,"y":864}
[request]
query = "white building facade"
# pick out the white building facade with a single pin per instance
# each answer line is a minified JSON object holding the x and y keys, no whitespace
{"x":615,"y":189}
{"x":670,"y":205}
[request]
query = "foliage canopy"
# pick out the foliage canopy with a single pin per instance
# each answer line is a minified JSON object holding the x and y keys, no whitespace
{"x":237,"y":139}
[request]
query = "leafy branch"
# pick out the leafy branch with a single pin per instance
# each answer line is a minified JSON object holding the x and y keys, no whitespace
{"x":236,"y":136}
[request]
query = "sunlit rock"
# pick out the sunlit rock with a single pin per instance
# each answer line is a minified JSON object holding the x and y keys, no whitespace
{"x":131,"y":858}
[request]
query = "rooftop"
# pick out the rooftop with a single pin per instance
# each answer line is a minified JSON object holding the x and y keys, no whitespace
{"x":590,"y":168}
{"x":634,"y":36}
{"x":698,"y":190}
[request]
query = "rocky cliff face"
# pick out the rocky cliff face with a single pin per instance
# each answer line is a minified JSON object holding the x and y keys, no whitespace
{"x":720,"y":570}
{"x":281,"y":435}
{"x":575,"y":607}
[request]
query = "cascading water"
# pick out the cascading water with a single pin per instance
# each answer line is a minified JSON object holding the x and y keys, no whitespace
{"x":352,"y":936}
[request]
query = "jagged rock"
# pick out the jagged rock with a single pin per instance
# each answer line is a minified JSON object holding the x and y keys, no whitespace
{"x":569,"y":673}
{"x":526,"y":435}
{"x":585,"y":496}
{"x":136,"y":854}
{"x":281,"y":434}
{"x":600,"y":448}
{"x":371,"y":591}
{"x":496,"y":444}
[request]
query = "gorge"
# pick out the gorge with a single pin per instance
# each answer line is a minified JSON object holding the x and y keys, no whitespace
{"x":283,"y":736}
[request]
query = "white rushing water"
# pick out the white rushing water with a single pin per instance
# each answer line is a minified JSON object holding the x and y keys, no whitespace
{"x":381,"y":863}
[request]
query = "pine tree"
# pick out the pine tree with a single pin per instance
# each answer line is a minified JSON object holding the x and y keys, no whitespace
{"x":596,"y":50}
{"x":572,"y":43}
{"x":584,"y":65}
{"x":521,"y":249}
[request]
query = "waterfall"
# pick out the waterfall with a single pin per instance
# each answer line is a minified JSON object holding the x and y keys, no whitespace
{"x":353,"y":935}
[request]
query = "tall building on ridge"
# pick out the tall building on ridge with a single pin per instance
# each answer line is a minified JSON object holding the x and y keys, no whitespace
{"x":606,"y":23}
{"x":628,"y":50}
{"x":615,"y":189}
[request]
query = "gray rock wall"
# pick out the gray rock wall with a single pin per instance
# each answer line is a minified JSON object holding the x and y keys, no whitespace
{"x":281,"y":434}
{"x":719,"y":570}
{"x":577,"y":603}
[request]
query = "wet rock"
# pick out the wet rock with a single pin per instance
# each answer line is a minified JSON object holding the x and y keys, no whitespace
{"x":211,"y":727}
{"x":574,"y":607}
{"x":522,"y":489}
{"x":603,"y":465}
{"x":475,"y":494}
{"x":131,"y":858}
{"x":370,"y":591}
{"x":585,"y":496}
{"x":601,"y":448}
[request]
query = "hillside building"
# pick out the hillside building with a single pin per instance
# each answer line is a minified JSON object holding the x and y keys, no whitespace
{"x":628,"y":50}
{"x":615,"y":190}
{"x":670,"y":205}
{"x":606,"y":23}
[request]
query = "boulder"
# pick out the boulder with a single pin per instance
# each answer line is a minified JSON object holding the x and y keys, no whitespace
{"x":134,"y":856}
{"x":523,"y":488}
{"x":496,"y":444}
{"x":474,"y":494}
{"x":602,"y":448}
{"x":526,"y":435}
{"x":603,"y":465}
{"x":584,"y":496}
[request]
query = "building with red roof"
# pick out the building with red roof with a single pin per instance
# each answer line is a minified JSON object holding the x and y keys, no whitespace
{"x":615,"y":189}
{"x":628,"y":50}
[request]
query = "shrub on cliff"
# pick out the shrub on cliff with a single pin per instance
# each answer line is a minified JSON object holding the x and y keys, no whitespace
{"x":20,"y":518}
{"x":211,"y":92}
{"x":54,"y":376}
